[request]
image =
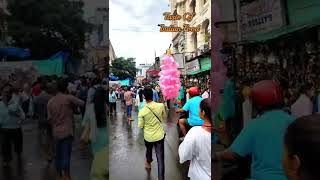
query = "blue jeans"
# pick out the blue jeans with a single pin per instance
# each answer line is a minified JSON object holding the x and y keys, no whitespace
{"x":129,"y":110}
{"x":63,"y":154}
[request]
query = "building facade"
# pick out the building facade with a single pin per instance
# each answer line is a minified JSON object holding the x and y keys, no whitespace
{"x":192,"y":42}
{"x":3,"y":25}
{"x":193,"y":46}
{"x":97,"y":45}
{"x":142,"y":70}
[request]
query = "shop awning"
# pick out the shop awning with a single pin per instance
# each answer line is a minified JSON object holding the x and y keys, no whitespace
{"x":153,"y":72}
{"x":15,"y":52}
{"x":205,"y":65}
{"x":261,"y":37}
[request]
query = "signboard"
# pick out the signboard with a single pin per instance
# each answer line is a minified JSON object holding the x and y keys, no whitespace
{"x":261,"y":16}
{"x":180,"y":60}
{"x":192,"y":66}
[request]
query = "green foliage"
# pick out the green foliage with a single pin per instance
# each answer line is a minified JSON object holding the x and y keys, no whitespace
{"x":124,"y":68}
{"x":47,"y":26}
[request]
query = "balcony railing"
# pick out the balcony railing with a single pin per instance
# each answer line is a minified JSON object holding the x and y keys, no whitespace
{"x":204,"y":8}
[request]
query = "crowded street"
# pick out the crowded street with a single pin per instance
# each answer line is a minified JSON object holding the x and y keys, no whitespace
{"x":32,"y":166}
{"x":127,"y":149}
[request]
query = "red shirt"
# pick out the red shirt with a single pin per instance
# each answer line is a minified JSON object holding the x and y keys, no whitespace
{"x":36,"y":90}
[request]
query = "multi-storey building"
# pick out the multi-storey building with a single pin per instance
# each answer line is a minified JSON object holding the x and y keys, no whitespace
{"x":97,"y":47}
{"x":3,"y":25}
{"x":192,"y":44}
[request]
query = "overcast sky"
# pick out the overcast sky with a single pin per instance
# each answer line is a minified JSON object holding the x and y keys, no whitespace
{"x":134,"y":30}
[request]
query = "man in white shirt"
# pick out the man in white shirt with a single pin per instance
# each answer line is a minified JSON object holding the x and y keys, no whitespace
{"x":196,"y":146}
{"x":304,"y":106}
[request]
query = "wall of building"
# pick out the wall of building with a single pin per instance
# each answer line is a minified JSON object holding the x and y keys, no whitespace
{"x":97,"y":42}
{"x":187,"y":42}
{"x":112,"y":54}
{"x":3,"y":25}
{"x":202,"y":19}
{"x":142,"y":70}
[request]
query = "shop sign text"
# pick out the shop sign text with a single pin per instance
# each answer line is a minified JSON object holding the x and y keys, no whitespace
{"x":261,"y":16}
{"x":192,"y":66}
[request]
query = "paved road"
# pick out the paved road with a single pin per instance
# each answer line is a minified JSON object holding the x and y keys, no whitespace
{"x":127,"y":150}
{"x":33,"y":167}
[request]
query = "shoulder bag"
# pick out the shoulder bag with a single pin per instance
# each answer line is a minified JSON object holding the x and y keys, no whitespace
{"x":158,"y":119}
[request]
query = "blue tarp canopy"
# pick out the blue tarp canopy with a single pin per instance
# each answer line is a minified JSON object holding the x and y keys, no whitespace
{"x":113,"y":78}
{"x":15,"y":52}
{"x":60,"y":55}
{"x":125,"y":82}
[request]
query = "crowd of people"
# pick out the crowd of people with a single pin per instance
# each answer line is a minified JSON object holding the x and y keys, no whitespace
{"x":153,"y":110}
{"x":52,"y":102}
{"x":275,"y":139}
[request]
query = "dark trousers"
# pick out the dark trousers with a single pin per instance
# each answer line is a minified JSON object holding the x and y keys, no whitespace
{"x":159,"y":147}
{"x":168,"y":104}
{"x":11,"y":137}
{"x":63,"y":154}
{"x":113,"y":107}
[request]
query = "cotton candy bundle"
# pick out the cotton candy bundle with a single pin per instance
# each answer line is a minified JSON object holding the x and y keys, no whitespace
{"x":169,"y":77}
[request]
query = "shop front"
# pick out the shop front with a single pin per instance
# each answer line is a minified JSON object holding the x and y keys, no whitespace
{"x":288,"y":51}
{"x":198,"y":72}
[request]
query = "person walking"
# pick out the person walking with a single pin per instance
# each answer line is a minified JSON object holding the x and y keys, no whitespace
{"x":113,"y":101}
{"x":27,"y":98}
{"x":41,"y":114}
{"x":95,"y":122}
{"x":61,"y":118}
{"x":83,"y":93}
{"x":141,"y":100}
{"x":155,"y":95}
{"x":196,"y":146}
{"x":36,"y":90}
{"x":150,"y":119}
{"x":123,"y":102}
{"x":11,"y":117}
{"x":93,"y":85}
{"x":128,"y":96}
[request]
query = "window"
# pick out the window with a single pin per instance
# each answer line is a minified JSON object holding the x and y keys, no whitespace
{"x":195,"y":41}
{"x":193,"y":6}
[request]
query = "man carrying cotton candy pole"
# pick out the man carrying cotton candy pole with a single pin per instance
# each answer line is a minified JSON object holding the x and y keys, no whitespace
{"x":170,"y":85}
{"x":169,"y":77}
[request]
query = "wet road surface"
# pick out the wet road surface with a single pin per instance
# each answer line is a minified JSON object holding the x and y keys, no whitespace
{"x":127,"y":150}
{"x":33,"y":167}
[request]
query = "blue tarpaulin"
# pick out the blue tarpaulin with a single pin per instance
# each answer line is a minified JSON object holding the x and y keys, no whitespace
{"x":125,"y":82}
{"x":113,"y":78}
{"x":15,"y":52}
{"x":60,"y":55}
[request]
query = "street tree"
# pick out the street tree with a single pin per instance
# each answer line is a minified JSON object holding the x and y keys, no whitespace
{"x":46,"y":26}
{"x":124,"y":68}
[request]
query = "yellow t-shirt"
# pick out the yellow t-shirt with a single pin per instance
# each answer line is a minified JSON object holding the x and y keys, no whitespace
{"x":153,"y":129}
